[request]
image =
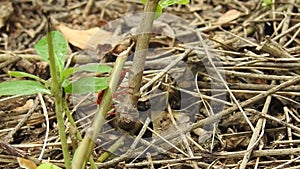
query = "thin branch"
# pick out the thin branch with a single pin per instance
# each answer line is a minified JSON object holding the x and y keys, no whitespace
{"x":47,"y":124}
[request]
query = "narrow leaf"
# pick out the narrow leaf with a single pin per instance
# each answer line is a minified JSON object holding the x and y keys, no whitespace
{"x":67,"y":72}
{"x":166,"y":3}
{"x":86,"y":85}
{"x":65,"y":83}
{"x":24,"y":74}
{"x":22,"y":87}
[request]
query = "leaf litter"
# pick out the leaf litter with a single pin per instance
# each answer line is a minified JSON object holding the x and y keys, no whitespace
{"x":257,"y":49}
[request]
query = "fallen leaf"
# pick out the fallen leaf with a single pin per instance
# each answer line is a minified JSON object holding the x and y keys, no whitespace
{"x":27,"y":164}
{"x":228,"y":16}
{"x":85,"y":39}
{"x":25,"y":107}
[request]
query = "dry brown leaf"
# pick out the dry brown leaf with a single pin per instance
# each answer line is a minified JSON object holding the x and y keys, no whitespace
{"x":27,"y":164}
{"x":25,"y":107}
{"x":82,"y":38}
{"x":228,"y":16}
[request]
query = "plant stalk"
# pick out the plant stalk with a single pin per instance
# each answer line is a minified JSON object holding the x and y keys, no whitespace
{"x":85,"y":148}
{"x":77,"y":134}
{"x":57,"y":92}
{"x":113,"y":148}
{"x":136,"y":74}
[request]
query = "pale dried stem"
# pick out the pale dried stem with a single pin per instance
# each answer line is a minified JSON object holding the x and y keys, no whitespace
{"x":256,"y":133}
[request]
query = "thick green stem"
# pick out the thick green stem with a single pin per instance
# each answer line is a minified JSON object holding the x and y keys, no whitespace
{"x":77,"y":134}
{"x":136,"y":74}
{"x":85,"y":148}
{"x":57,"y":92}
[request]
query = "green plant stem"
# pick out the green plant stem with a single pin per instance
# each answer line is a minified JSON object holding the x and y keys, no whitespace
{"x":71,"y":120}
{"x":77,"y":134}
{"x":57,"y":92}
{"x":136,"y":74}
{"x":113,"y":148}
{"x":86,"y":146}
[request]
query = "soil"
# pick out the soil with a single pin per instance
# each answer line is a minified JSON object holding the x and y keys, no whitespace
{"x":233,"y":97}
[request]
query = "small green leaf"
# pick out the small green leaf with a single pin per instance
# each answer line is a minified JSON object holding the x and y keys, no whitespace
{"x":87,"y":84}
{"x":24,"y":74}
{"x":267,"y":3}
{"x":48,"y":166}
{"x":59,"y":48}
{"x":22,"y":87}
{"x":65,"y":83}
{"x":66,"y":73}
{"x":166,"y":3}
{"x":158,"y":11}
{"x":94,"y":67}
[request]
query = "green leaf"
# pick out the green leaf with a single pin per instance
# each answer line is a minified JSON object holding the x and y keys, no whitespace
{"x":24,"y":74}
{"x":158,"y":11}
{"x":94,"y":67}
{"x":87,"y":84}
{"x":59,"y":49}
{"x":267,"y":3}
{"x":22,"y":87}
{"x":67,"y":72}
{"x":65,"y":83}
{"x":48,"y":166}
{"x":166,"y":3}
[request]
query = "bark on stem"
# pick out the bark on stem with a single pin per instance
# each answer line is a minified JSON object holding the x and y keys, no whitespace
{"x":136,"y":74}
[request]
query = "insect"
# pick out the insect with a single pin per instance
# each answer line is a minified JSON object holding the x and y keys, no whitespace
{"x":99,"y":97}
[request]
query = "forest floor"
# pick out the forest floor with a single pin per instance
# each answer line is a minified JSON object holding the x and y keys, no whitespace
{"x":234,"y":98}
